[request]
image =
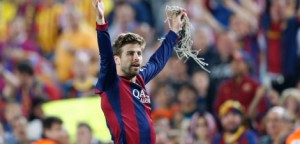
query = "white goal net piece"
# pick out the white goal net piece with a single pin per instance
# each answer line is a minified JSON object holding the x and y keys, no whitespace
{"x":183,"y":48}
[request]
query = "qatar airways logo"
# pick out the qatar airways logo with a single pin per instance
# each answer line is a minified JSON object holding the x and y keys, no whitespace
{"x":141,"y":96}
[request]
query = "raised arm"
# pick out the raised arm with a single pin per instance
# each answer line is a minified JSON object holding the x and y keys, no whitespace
{"x":243,"y":12}
{"x":108,"y":72}
{"x":159,"y":59}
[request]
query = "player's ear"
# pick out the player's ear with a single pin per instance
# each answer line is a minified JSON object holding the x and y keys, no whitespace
{"x":117,"y":60}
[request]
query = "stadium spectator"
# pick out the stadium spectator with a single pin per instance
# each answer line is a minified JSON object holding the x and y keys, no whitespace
{"x":85,"y":135}
{"x":75,"y":37}
{"x":241,"y":87}
{"x":27,"y":9}
{"x":231,"y":114}
{"x":20,"y":46}
{"x":187,"y":96}
{"x":53,"y":132}
{"x":83,"y":83}
{"x":162,"y":126}
{"x":161,"y":137}
{"x":19,"y":134}
{"x":12,"y":110}
{"x":124,"y":20}
{"x":35,"y":119}
{"x":19,"y":38}
{"x":201,"y":82}
{"x":280,"y":30}
{"x":84,"y":7}
{"x":220,"y":64}
{"x":187,"y":106}
{"x":278,"y":126}
{"x":178,"y":73}
{"x":27,"y":87}
{"x":11,"y":11}
{"x":290,"y":100}
{"x":244,"y":31}
{"x":88,"y":14}
{"x":162,"y":102}
{"x":165,"y":133}
{"x":47,"y":22}
{"x":202,"y":129}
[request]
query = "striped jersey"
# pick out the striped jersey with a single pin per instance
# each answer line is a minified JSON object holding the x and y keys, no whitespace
{"x":126,"y":105}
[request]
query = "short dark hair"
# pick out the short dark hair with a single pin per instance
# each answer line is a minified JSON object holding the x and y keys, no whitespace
{"x":50,"y":121}
{"x":25,"y":68}
{"x":83,"y":124}
{"x":127,"y":38}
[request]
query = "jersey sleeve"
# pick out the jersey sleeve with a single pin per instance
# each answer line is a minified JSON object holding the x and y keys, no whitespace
{"x":108,"y":73}
{"x":159,"y":59}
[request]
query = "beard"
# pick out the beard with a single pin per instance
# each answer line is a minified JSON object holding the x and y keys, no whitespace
{"x":130,"y":71}
{"x":233,"y":130}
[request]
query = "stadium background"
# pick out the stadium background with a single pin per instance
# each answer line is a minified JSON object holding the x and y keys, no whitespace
{"x":49,"y":62}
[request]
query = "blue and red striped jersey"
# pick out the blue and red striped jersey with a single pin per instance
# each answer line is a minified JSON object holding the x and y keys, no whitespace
{"x":126,"y":105}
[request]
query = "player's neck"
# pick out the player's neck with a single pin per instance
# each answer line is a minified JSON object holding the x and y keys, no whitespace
{"x":133,"y":79}
{"x":130,"y":78}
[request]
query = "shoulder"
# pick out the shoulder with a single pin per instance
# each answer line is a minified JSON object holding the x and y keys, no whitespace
{"x":100,"y":85}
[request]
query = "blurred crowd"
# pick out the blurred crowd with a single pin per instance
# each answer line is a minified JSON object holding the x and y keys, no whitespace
{"x":48,"y":52}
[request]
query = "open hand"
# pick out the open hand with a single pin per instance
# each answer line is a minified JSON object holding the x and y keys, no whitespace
{"x":177,"y":21}
{"x":99,"y":10}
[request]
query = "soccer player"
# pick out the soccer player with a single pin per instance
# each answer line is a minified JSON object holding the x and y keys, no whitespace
{"x":122,"y":79}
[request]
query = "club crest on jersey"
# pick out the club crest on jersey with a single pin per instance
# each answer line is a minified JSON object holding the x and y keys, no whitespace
{"x":141,"y":95}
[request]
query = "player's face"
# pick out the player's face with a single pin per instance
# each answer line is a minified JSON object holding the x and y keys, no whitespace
{"x":131,"y":60}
